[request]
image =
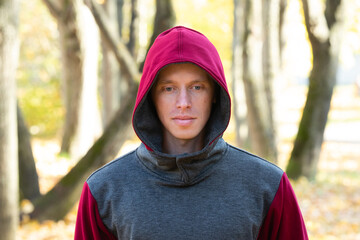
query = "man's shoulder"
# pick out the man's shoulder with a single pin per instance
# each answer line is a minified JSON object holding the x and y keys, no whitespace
{"x":253,"y":164}
{"x":250,"y":159}
{"x":252,"y":176}
{"x":113,"y":169}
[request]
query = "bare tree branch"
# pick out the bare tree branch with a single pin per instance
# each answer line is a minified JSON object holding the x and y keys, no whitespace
{"x":122,"y":54}
{"x":56,"y":203}
{"x":53,"y":7}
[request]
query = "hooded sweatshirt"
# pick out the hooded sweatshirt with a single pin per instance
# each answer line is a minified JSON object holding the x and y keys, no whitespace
{"x":219,"y":192}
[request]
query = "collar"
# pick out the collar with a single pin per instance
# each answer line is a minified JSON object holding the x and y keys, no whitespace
{"x":183,"y":169}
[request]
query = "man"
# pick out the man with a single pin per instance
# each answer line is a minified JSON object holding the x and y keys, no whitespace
{"x":184,"y":181}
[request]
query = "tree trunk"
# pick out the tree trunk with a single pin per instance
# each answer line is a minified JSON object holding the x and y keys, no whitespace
{"x":79,"y":47}
{"x":115,"y":81}
{"x":164,"y":19}
{"x":133,"y":28}
{"x":271,"y":55}
{"x":72,"y":60}
{"x":281,"y":37}
{"x":259,"y":110}
{"x":120,"y":15}
{"x":110,"y":88}
{"x":28,"y":177}
{"x":325,"y":50}
{"x":9,"y":177}
{"x":90,"y":126}
{"x":111,"y":75}
{"x":239,"y":101}
{"x":270,"y":13}
{"x":55,"y":204}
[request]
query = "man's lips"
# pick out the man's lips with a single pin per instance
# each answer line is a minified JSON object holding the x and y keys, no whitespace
{"x":183,"y":117}
{"x":183,"y":120}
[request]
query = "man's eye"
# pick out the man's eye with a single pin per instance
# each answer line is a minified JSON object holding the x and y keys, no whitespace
{"x":168,"y":89}
{"x":197,"y":87}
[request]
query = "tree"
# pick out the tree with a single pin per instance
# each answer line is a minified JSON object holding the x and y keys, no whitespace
{"x":28,"y":177}
{"x":9,"y":182}
{"x":268,"y":43}
{"x":110,"y":69}
{"x":324,"y":32}
{"x":164,"y":19}
{"x":133,"y":32}
{"x":79,"y":47}
{"x":256,"y":81}
{"x":56,"y":203}
{"x":281,"y":37}
{"x":114,"y":87}
{"x":271,"y":56}
{"x":239,"y":104}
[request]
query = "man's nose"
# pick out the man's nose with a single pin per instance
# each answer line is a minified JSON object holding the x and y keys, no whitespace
{"x":183,"y":99}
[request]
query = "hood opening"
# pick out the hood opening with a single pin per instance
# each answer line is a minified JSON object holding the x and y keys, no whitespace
{"x":179,"y":45}
{"x":149,"y":126}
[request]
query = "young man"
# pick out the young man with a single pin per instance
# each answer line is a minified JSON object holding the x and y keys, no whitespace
{"x":184,"y":181}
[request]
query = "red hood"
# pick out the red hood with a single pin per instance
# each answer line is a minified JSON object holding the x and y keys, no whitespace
{"x":177,"y":45}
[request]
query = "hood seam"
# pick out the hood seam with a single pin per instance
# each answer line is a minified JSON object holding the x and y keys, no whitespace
{"x":180,"y":45}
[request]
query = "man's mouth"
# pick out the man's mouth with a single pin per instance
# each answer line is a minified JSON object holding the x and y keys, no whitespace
{"x":183,"y":120}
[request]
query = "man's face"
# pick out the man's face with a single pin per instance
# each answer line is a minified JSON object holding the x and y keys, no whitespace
{"x":183,"y":97}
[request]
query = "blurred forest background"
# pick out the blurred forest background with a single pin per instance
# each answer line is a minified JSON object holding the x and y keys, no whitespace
{"x":293,"y":67}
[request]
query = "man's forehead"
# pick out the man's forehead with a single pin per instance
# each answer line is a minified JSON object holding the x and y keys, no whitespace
{"x":170,"y":80}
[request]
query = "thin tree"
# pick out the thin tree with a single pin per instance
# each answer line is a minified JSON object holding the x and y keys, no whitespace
{"x":257,"y":90}
{"x":239,"y":102}
{"x":324,"y":31}
{"x":9,"y":177}
{"x":281,"y":37}
{"x":114,"y":86}
{"x":133,"y":28}
{"x":111,"y":81}
{"x":164,"y":19}
{"x":271,"y":56}
{"x":79,"y":47}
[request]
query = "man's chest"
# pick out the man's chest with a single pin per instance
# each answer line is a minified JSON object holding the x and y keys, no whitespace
{"x":186,"y":214}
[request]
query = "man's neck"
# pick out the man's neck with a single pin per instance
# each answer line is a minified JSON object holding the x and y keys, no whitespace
{"x":180,"y":146}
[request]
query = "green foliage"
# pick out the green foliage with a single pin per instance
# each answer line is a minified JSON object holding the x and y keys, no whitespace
{"x":41,"y":106}
{"x":38,"y":76}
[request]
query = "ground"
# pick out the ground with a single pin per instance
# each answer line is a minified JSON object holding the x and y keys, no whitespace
{"x":330,"y":204}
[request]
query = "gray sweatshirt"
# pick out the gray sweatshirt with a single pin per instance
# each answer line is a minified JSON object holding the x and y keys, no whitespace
{"x":219,"y":192}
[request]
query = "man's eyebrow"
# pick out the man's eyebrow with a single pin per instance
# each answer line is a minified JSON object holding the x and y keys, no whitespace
{"x":166,"y":81}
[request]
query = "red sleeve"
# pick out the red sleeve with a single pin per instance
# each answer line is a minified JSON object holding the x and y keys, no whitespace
{"x":284,"y":219}
{"x":88,"y":222}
